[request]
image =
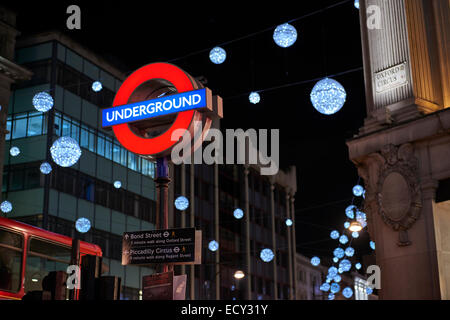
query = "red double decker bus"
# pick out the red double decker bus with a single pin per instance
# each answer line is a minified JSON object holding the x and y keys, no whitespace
{"x":28,"y":254}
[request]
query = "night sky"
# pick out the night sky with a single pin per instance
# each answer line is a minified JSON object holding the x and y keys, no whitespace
{"x":130,"y":34}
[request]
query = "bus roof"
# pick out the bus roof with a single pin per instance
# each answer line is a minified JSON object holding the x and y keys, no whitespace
{"x":85,"y":247}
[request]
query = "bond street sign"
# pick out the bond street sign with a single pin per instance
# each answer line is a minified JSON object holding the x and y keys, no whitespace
{"x":175,"y":246}
{"x":158,"y":107}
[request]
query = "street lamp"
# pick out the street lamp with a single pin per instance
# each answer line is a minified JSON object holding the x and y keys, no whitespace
{"x":355,"y":226}
{"x":239,"y":274}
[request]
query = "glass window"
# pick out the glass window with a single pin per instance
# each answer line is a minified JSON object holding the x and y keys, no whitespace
{"x":75,"y":130}
{"x":57,"y":124}
{"x":91,"y":141}
{"x":116,"y":153}
{"x":101,"y":145}
{"x":44,"y":257}
{"x":8,"y":127}
{"x":11,"y":245}
{"x":35,"y":125}
{"x":20,"y":126}
{"x":66,"y":128}
{"x":84,"y":139}
{"x":123,"y":156}
{"x":108,"y":144}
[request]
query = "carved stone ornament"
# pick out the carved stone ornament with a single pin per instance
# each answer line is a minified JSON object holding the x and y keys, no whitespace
{"x":398,"y":192}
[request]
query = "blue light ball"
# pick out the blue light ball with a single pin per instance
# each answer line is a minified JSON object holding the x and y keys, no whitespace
{"x":335,"y":288}
{"x":6,"y":206}
{"x":45,"y":168}
{"x":369,"y":290}
{"x":346,"y":225}
{"x":42,"y":101}
{"x":213,"y":245}
{"x":266,"y":255}
{"x":358,"y":266}
{"x":331,"y":296}
{"x":349,"y":252}
{"x":358,"y":190}
{"x":65,"y":151}
{"x":343,"y":239}
{"x":117,"y":184}
{"x":355,"y":234}
{"x":350,"y":211}
{"x":335,"y":259}
{"x":334,"y":234}
{"x":238,"y":213}
{"x":372,"y":245}
{"x":14,"y":151}
{"x":217,"y":55}
{"x":332,"y":272}
{"x":337,"y":279}
{"x":347,"y":292}
{"x":361,"y":218}
{"x":328,"y":96}
{"x":325,"y":287}
{"x":254,"y":97}
{"x":345,"y":265}
{"x":356,"y":3}
{"x":339,"y":253}
{"x":97,"y":86}
{"x":83,"y":225}
{"x":315,"y":261}
{"x":285,"y":35}
{"x":289,"y":222}
{"x":181,"y":203}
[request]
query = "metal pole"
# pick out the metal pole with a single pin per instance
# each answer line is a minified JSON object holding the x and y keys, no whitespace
{"x":162,"y":188}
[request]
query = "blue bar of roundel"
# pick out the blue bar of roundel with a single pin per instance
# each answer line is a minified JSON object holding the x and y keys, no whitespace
{"x":197,"y":98}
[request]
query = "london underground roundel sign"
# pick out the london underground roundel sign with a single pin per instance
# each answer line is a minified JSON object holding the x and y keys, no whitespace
{"x":191,"y":102}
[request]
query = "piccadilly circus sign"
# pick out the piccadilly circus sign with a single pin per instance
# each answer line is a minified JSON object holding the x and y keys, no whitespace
{"x":155,"y":105}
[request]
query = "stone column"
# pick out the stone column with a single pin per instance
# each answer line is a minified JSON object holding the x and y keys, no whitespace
{"x":289,"y":240}
{"x":274,"y":241}
{"x":247,"y":234}
{"x":192,"y":222}
{"x":216,"y":228}
{"x":183,"y":213}
{"x":294,"y":244}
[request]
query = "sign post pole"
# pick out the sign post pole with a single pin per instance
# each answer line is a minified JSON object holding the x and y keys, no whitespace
{"x":162,"y":188}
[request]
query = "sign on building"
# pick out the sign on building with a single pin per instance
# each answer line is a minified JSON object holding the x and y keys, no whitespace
{"x":391,"y":78}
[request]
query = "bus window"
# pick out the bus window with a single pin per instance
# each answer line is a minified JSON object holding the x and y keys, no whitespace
{"x":44,"y":257}
{"x":11,"y":247}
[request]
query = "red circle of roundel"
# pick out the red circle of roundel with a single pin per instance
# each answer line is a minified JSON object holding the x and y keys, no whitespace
{"x":161,"y":143}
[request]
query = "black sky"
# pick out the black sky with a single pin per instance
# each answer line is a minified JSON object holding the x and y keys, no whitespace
{"x":134,"y":33}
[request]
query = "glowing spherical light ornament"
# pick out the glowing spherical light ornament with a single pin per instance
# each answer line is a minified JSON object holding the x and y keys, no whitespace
{"x":361,"y":218}
{"x":345,"y":265}
{"x":83,"y":225}
{"x":369,"y":291}
{"x":328,"y":96}
{"x":14,"y":151}
{"x":117,"y":184}
{"x":347,"y":292}
{"x":346,"y":225}
{"x":334,"y":234}
{"x":339,"y":253}
{"x":332,"y":271}
{"x":288,"y":222}
{"x":213,"y":245}
{"x":65,"y":151}
{"x":97,"y":86}
{"x":358,"y":266}
{"x":266,"y":255}
{"x":356,"y":4}
{"x":217,"y":55}
{"x":372,"y":245}
{"x":335,"y":288}
{"x":6,"y":206}
{"x":358,"y":190}
{"x":181,"y":203}
{"x":45,"y":168}
{"x":254,"y":97}
{"x":238,"y":213}
{"x":343,"y":239}
{"x":315,"y":261}
{"x":285,"y":35}
{"x":350,"y":211}
{"x":337,"y":279}
{"x":349,"y":252}
{"x":42,"y":101}
{"x":331,"y":296}
{"x":325,"y":287}
{"x":355,"y":235}
{"x":335,"y":259}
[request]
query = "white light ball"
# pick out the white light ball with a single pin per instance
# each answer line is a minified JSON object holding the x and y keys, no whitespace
{"x":315,"y":261}
{"x":372,"y":245}
{"x":42,"y":101}
{"x":14,"y":151}
{"x":217,"y":55}
{"x":266,"y":255}
{"x":45,"y":168}
{"x":355,"y":234}
{"x":117,"y":184}
{"x":328,"y":96}
{"x":343,"y":239}
{"x":254,"y":97}
{"x":83,"y":225}
{"x":6,"y":206}
{"x":65,"y":151}
{"x":358,"y":190}
{"x":356,"y":4}
{"x":334,"y":234}
{"x":213,"y":245}
{"x":181,"y":203}
{"x":285,"y":35}
{"x":289,"y":222}
{"x":97,"y":86}
{"x":238,"y":213}
{"x":358,"y":266}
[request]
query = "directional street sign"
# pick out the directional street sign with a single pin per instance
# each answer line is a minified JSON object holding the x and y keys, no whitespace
{"x":176,"y":246}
